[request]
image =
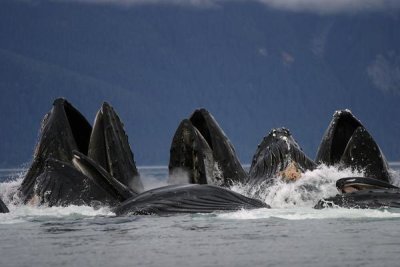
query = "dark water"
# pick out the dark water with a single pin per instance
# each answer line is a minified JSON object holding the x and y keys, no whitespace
{"x":287,"y":235}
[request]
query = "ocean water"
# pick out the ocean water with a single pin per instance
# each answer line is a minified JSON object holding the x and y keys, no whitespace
{"x":292,"y":233}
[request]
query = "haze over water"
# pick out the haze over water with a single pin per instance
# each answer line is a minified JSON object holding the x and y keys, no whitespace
{"x":291,"y":233}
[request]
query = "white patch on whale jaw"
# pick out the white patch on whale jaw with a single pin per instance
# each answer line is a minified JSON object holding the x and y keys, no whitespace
{"x":291,"y":173}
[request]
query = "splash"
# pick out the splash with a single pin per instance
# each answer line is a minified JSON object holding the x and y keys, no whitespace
{"x":21,"y":213}
{"x":295,"y":200}
{"x":178,"y":176}
{"x":304,"y":192}
{"x":395,"y":176}
{"x":8,"y":189}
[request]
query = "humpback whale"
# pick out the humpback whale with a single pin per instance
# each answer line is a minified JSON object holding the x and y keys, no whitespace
{"x":347,"y":143}
{"x":279,"y":155}
{"x":189,"y":198}
{"x":362,"y":192}
{"x":201,"y":149}
{"x":56,"y":177}
{"x":76,"y":164}
{"x":3,"y":207}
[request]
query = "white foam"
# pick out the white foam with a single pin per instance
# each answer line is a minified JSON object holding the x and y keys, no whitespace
{"x":8,"y":189}
{"x":307,"y":213}
{"x":22,"y":213}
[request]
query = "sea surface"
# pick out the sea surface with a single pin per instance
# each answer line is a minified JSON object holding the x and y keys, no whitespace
{"x":292,"y":233}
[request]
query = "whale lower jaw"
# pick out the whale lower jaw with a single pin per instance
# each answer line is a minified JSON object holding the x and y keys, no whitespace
{"x":364,"y":199}
{"x":362,"y":192}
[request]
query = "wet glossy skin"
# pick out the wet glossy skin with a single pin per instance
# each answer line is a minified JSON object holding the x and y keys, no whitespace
{"x":201,"y":149}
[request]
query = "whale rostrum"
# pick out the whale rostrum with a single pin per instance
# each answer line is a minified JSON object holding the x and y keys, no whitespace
{"x":279,"y":155}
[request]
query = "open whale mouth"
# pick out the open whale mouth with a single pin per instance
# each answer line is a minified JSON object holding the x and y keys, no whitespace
{"x":354,"y":184}
{"x":78,"y":125}
{"x":199,"y":121}
{"x":344,"y":125}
